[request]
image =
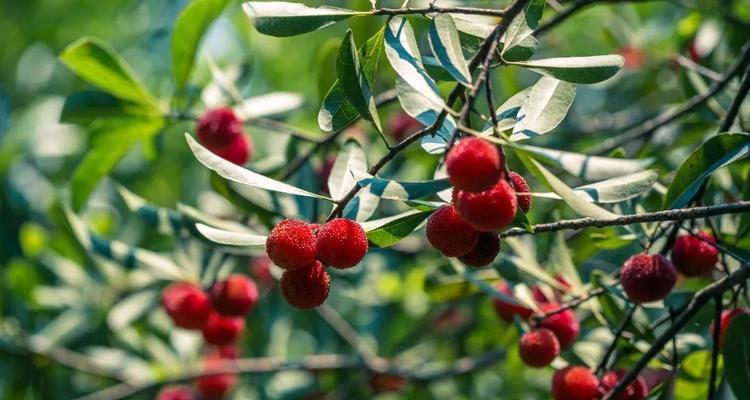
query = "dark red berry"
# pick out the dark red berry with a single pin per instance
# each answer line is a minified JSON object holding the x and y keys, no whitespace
{"x":474,"y":165}
{"x":449,"y":233}
{"x":646,"y":278}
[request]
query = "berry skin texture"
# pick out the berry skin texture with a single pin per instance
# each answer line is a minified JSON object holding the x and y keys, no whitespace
{"x":450,"y":234}
{"x":175,"y":393}
{"x":291,"y":244}
{"x":218,"y":128}
{"x":521,"y":187}
{"x":646,"y":278}
{"x":342,"y":243}
{"x":507,"y":310}
{"x":636,"y":390}
{"x":474,"y":165}
{"x":575,"y":383}
{"x":234,"y":296}
{"x":488,"y":211}
{"x":306,"y":287}
{"x":564,"y":324}
{"x":539,"y":348}
{"x":220,"y":330}
{"x":186,"y":304}
{"x":238,"y":151}
{"x":693,"y":256}
{"x":484,"y":252}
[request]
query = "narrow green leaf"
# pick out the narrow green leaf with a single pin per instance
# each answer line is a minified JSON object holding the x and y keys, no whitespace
{"x":231,"y":238}
{"x":278,"y":18}
{"x":392,"y":232}
{"x":356,"y":88}
{"x":613,"y":190}
{"x":507,"y":113}
{"x":587,"y":167}
{"x":446,"y":46}
{"x":350,"y":162}
{"x":737,"y":355}
{"x":426,"y":112}
{"x":576,"y":69}
{"x":131,"y":308}
{"x":85,"y":107}
{"x":518,"y":42}
{"x":545,"y":107}
{"x":402,"y":190}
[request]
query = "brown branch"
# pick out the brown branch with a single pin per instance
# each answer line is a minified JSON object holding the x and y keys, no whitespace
{"x":439,"y":10}
{"x":734,"y":108}
{"x":575,"y":302}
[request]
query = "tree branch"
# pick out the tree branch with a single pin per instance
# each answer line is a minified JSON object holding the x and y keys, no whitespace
{"x":734,"y":108}
{"x":439,"y":10}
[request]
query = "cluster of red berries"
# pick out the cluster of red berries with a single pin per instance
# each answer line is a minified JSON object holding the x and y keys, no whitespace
{"x":576,"y":382}
{"x":211,"y":385}
{"x":303,"y":250}
{"x":484,"y":202}
{"x":220,"y":131}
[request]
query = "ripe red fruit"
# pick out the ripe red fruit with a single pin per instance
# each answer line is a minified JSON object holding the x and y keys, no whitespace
{"x":306,"y":287}
{"x":218,"y":127}
{"x":342,"y":243}
{"x":449,"y":233}
{"x":522,"y":189}
{"x":175,"y":393}
{"x":634,"y":57}
{"x":507,"y":310}
{"x":234,"y":296}
{"x":575,"y":383}
{"x":538,"y":348}
{"x":564,"y":324}
{"x":488,"y":211}
{"x":221,"y":330}
{"x":635,"y":390}
{"x":484,"y":252}
{"x":402,"y":125}
{"x":215,"y":386}
{"x":187,"y":305}
{"x":695,"y":256}
{"x":291,"y":244}
{"x":382,"y":383}
{"x":474,"y":165}
{"x":646,"y":278}
{"x":726,"y":318}
{"x":238,"y":151}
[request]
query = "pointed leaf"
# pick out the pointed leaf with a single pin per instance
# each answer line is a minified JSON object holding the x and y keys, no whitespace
{"x":587,"y":167}
{"x":613,"y":190}
{"x":131,"y":308}
{"x":232,"y":238}
{"x":393,"y":231}
{"x":395,"y":190}
{"x":356,"y":88}
{"x":426,"y":112}
{"x":547,"y":104}
{"x":576,"y":69}
{"x":269,"y":104}
{"x":350,"y":162}
{"x":446,"y":46}
{"x":279,"y":18}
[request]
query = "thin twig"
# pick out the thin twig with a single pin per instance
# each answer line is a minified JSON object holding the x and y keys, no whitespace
{"x":571,"y":304}
{"x":734,"y":108}
{"x":438,"y":10}
{"x":618,"y":334}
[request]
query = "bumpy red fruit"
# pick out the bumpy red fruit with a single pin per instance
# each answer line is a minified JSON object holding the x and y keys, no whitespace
{"x":234,"y":296}
{"x":215,"y":386}
{"x":238,"y":151}
{"x":488,"y":211}
{"x":522,"y":189}
{"x":449,"y":233}
{"x":575,"y":383}
{"x":635,"y":390}
{"x":563,"y":324}
{"x":291,"y":244}
{"x":218,"y":127}
{"x":507,"y":310}
{"x":175,"y":393}
{"x":646,"y":278}
{"x":484,"y":252}
{"x":726,"y":318}
{"x":342,"y":243}
{"x":221,"y":330}
{"x":306,"y":287}
{"x":187,"y":305}
{"x":539,"y":348}
{"x":474,"y":165}
{"x":695,"y":256}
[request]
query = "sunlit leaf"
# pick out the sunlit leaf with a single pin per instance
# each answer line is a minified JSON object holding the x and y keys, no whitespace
{"x":613,"y":190}
{"x":356,"y":87}
{"x":392,"y":232}
{"x":545,"y":107}
{"x":590,"y":168}
{"x":278,"y":18}
{"x":230,"y":238}
{"x":350,"y":162}
{"x":591,"y":69}
{"x":446,"y":46}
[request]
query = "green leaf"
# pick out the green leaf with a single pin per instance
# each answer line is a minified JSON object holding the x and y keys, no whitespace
{"x":717,"y":152}
{"x":395,"y":190}
{"x":353,"y":81}
{"x":587,"y":167}
{"x":545,"y":107}
{"x":278,"y":18}
{"x":131,"y":308}
{"x":446,"y":46}
{"x":737,"y":354}
{"x":97,"y":63}
{"x":231,"y":238}
{"x":507,"y":113}
{"x":392,"y":232}
{"x":613,"y":190}
{"x":189,"y":28}
{"x":576,"y":69}
{"x":255,"y":205}
{"x":426,"y":112}
{"x":85,"y":107}
{"x":350,"y":162}
{"x":518,"y":42}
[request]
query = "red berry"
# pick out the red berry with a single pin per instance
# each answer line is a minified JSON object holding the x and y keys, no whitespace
{"x":187,"y":305}
{"x":402,"y":125}
{"x":726,"y":318}
{"x":306,"y":287}
{"x":175,"y":393}
{"x":229,"y":351}
{"x":563,"y":324}
{"x":291,"y":244}
{"x":234,"y":296}
{"x":634,"y":57}
{"x":238,"y":151}
{"x":539,"y":348}
{"x":540,"y":296}
{"x":488,"y":211}
{"x":575,"y":383}
{"x":474,"y":165}
{"x":695,"y":256}
{"x":218,"y":127}
{"x":523,"y":191}
{"x":215,"y":386}
{"x":635,"y":390}
{"x":484,"y":252}
{"x":450,"y":234}
{"x":646,"y":278}
{"x":383,"y":383}
{"x":220,"y":330}
{"x":341,"y":243}
{"x":507,"y":310}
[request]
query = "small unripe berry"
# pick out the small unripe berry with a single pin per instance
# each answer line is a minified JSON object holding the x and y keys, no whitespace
{"x":484,"y":252}
{"x":234,"y":296}
{"x":175,"y":393}
{"x":646,"y":278}
{"x":635,"y":390}
{"x":449,"y":233}
{"x":238,"y":151}
{"x":726,"y":318}
{"x":306,"y":287}
{"x":218,"y":127}
{"x":523,"y":191}
{"x":215,"y":386}
{"x":342,"y":243}
{"x":563,"y":324}
{"x":291,"y":244}
{"x":221,"y":330}
{"x":575,"y":383}
{"x":693,"y":256}
{"x":488,"y":211}
{"x":538,"y":348}
{"x":186,"y":304}
{"x":474,"y":165}
{"x":403,"y":125}
{"x":507,"y":310}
